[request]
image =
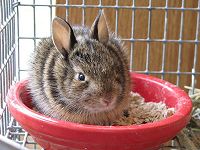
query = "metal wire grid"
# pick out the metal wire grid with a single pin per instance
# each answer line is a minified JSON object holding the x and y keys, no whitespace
{"x":9,"y":57}
{"x":147,"y":40}
{"x":8,"y":70}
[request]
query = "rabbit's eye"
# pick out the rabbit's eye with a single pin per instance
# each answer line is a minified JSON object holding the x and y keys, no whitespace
{"x":81,"y":77}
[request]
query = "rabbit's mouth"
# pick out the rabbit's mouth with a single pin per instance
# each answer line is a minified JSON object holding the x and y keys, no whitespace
{"x":103,"y":105}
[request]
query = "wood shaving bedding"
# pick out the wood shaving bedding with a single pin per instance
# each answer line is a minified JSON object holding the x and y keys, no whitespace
{"x":141,"y":112}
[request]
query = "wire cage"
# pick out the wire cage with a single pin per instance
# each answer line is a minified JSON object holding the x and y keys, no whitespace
{"x":162,"y":39}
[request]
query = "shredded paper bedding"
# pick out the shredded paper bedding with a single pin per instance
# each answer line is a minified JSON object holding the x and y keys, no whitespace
{"x":141,"y":112}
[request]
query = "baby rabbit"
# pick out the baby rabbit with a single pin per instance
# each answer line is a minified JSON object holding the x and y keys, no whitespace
{"x":80,"y":74}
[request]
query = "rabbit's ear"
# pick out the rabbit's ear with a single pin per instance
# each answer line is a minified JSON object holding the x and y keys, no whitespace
{"x":99,"y":29}
{"x":63,"y":36}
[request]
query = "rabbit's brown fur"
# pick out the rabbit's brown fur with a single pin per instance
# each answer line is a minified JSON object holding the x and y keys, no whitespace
{"x":56,"y":91}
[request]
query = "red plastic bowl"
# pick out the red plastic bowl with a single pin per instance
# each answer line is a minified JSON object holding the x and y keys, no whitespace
{"x":60,"y":135}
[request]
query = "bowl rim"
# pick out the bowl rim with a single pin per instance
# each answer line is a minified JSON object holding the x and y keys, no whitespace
{"x":23,"y":110}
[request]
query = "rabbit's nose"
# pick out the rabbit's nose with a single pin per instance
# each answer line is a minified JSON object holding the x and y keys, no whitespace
{"x":106,"y":99}
{"x":106,"y":102}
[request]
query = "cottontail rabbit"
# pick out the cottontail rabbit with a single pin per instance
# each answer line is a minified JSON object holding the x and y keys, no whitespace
{"x":80,"y":74}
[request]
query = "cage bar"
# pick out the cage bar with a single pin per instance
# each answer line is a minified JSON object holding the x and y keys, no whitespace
{"x":132,"y":36}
